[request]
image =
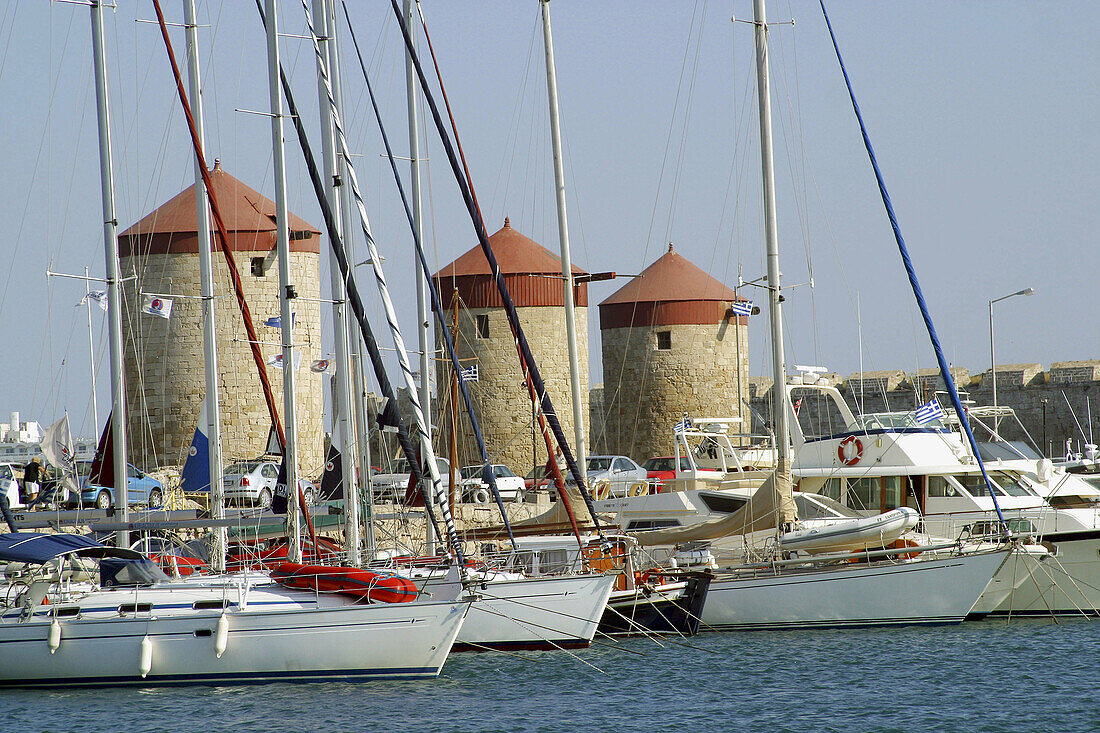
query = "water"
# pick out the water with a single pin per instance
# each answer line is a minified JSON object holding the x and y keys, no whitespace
{"x":1029,"y":675}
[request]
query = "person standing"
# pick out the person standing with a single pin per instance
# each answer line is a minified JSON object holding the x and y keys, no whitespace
{"x":32,"y":475}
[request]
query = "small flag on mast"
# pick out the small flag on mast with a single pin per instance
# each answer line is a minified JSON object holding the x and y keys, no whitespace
{"x":929,"y":411}
{"x":683,"y":425}
{"x":155,"y":305}
{"x":469,"y":374}
{"x":742,"y":307}
{"x":277,"y":321}
{"x":276,"y":360}
{"x":99,"y":297}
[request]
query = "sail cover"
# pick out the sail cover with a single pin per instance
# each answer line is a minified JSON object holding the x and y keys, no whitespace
{"x":770,"y":506}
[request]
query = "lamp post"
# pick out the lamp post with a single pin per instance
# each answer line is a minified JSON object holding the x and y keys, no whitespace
{"x":992,"y":351}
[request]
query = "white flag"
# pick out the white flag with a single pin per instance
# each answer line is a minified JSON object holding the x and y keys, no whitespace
{"x":155,"y":305}
{"x":97,"y":296}
{"x":276,"y":360}
{"x":57,"y":446}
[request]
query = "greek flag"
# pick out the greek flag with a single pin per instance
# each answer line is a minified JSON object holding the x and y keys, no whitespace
{"x":929,"y":411}
{"x":277,"y":321}
{"x":683,"y":426}
{"x":742,"y":307}
{"x":469,"y":374}
{"x":99,"y":297}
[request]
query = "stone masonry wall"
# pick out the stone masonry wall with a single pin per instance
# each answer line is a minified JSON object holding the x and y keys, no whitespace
{"x":500,"y":396}
{"x":647,"y":390}
{"x":164,"y":359}
{"x":1045,"y":401}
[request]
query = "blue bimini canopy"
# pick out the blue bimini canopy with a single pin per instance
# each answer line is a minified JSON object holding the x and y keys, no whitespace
{"x":40,"y":548}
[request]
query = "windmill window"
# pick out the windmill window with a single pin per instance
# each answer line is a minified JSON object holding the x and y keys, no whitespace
{"x":664,"y":340}
{"x":483,"y":326}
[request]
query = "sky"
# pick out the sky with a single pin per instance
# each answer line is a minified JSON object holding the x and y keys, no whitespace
{"x":983,"y":116}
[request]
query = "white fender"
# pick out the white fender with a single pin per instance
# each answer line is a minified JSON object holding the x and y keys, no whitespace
{"x":221,"y":635}
{"x":146,"y":656}
{"x":54,"y":639}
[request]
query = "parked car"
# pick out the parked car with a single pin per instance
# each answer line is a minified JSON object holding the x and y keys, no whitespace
{"x":662,"y":468}
{"x":141,"y":488}
{"x":9,"y":484}
{"x":539,"y":478}
{"x":391,"y":487}
{"x":253,"y":482}
{"x":475,"y":489}
{"x":611,"y":476}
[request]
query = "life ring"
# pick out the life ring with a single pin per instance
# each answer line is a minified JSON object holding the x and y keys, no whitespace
{"x":639,"y":488}
{"x":850,"y":450}
{"x":899,"y":544}
{"x":601,"y":489}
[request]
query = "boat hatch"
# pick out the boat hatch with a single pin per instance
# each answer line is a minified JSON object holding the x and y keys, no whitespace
{"x":66,"y":611}
{"x":126,"y":608}
{"x":209,"y":605}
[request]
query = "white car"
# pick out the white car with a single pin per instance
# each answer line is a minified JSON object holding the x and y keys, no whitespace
{"x":9,"y":484}
{"x":476,"y":490}
{"x":253,"y":482}
{"x":612,"y":476}
{"x":391,"y":486}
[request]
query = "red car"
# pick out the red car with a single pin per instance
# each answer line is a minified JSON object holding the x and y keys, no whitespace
{"x":662,"y":468}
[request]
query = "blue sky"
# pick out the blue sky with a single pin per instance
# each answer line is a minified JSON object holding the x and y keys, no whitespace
{"x":983,"y":116}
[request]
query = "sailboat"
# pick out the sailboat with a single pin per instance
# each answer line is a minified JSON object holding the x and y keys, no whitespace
{"x":784,"y":591}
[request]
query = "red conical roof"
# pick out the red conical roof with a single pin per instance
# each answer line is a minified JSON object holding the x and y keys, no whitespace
{"x":670,"y":291}
{"x":531,"y":272}
{"x":515,"y":253}
{"x":243,"y":210}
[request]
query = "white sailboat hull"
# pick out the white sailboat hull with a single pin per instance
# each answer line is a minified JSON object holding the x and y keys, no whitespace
{"x":536,"y":613}
{"x":1065,"y":582}
{"x":342,"y":642}
{"x":936,"y":591}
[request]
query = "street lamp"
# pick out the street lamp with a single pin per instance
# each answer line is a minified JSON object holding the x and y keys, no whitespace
{"x":992,"y":352}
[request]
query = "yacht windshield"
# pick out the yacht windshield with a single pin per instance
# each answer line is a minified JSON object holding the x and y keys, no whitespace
{"x":1010,"y":450}
{"x":114,"y":572}
{"x":1013,"y":484}
{"x":975,"y":485}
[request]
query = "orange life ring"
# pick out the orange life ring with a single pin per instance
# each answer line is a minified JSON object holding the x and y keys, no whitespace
{"x":850,"y":450}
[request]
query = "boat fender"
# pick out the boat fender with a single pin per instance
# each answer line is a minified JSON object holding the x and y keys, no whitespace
{"x":850,"y":450}
{"x":146,"y":656}
{"x":639,"y":488}
{"x":221,"y":635}
{"x":54,"y":639}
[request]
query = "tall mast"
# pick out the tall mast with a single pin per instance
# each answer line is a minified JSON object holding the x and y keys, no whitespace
{"x":344,"y":420}
{"x":563,"y":237}
{"x":114,"y":292}
{"x":286,"y":289}
{"x":358,"y":377}
{"x":779,"y":388}
{"x":91,"y":348}
{"x":423,"y":317}
{"x":206,"y":278}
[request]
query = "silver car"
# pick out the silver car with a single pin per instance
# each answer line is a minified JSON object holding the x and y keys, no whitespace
{"x":391,"y":486}
{"x":253,"y":482}
{"x":610,"y":476}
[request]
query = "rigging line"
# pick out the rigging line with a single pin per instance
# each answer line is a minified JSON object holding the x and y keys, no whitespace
{"x":437,"y":305}
{"x":223,"y":242}
{"x":426,"y":451}
{"x":949,"y":382}
{"x":687,"y":122}
{"x":465,"y":184}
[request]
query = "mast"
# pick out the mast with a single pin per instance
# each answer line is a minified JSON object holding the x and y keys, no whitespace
{"x":361,"y":426}
{"x":779,"y":389}
{"x":343,"y":420}
{"x":423,"y":323}
{"x":114,"y":294}
{"x":286,"y":289}
{"x":563,"y":237}
{"x":91,"y":347}
{"x":206,"y":278}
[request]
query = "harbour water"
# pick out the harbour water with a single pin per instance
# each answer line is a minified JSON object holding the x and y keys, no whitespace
{"x":993,"y":675}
